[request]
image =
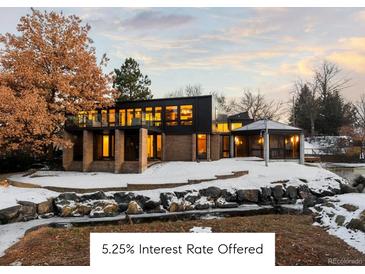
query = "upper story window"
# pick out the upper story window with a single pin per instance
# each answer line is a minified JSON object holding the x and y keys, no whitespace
{"x":235,"y":125}
{"x":222,"y":127}
{"x":122,"y":117}
{"x":158,"y":115}
{"x":149,"y":115}
{"x":104,"y":117}
{"x":171,"y":115}
{"x":111,"y":117}
{"x":186,"y":115}
{"x":129,"y":116}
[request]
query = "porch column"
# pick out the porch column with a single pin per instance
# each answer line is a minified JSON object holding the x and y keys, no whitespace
{"x":266,"y":148}
{"x":193,"y":147}
{"x":301,"y":149}
{"x":208,"y":147}
{"x":231,"y":146}
{"x":87,"y":150}
{"x":163,"y":148}
{"x":67,"y":152}
{"x":119,"y":150}
{"x":142,"y":162}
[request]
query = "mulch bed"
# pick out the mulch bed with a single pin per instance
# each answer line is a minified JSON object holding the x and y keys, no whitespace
{"x":298,"y":242}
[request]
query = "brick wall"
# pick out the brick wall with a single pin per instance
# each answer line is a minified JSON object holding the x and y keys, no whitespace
{"x":87,"y":150}
{"x":119,"y":150}
{"x":142,"y":150}
{"x":215,"y":147}
{"x":178,"y":147}
{"x":102,"y":166}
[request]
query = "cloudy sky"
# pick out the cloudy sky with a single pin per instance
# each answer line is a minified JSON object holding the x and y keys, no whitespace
{"x":226,"y":49}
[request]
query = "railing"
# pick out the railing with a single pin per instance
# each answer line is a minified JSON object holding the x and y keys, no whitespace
{"x":100,"y":120}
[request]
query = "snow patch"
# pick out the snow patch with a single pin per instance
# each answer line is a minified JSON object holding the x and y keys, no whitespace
{"x":201,"y":229}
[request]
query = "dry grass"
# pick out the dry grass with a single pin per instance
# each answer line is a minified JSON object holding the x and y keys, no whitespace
{"x":297,"y":241}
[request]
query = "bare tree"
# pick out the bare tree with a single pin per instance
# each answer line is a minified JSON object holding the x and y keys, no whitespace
{"x":257,"y":106}
{"x":360,"y":120}
{"x":188,"y":91}
{"x":222,"y":104}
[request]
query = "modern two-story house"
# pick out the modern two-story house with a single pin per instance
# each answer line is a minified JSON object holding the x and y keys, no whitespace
{"x":127,"y":137}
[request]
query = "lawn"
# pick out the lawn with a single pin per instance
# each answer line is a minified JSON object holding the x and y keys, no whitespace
{"x":298,"y":242}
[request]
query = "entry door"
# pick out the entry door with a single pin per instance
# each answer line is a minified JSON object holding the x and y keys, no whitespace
{"x":201,"y":146}
{"x":131,"y":147}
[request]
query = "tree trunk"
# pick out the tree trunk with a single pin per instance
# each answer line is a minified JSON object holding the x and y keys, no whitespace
{"x":312,"y":127}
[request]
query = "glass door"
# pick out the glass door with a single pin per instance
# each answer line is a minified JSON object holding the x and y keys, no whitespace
{"x":201,"y":146}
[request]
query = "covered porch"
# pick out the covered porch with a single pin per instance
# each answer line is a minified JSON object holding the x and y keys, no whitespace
{"x":266,"y":138}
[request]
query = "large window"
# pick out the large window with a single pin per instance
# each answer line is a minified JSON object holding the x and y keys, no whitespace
{"x":122,"y":117}
{"x":171,"y":115}
{"x":104,"y":146}
{"x":104,"y":117}
{"x":111,"y":117}
{"x":222,"y":127}
{"x":129,"y":117}
{"x":240,"y":146}
{"x":150,"y":147}
{"x":158,"y":115}
{"x":201,"y":146}
{"x":235,"y":125}
{"x":225,"y":146}
{"x":149,"y":115}
{"x":186,"y":115}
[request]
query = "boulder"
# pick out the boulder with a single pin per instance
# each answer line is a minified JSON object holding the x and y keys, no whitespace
{"x":141,"y":200}
{"x":229,"y":196}
{"x":211,"y":192}
{"x":362,"y":216}
{"x":9,"y":215}
{"x":345,"y":188}
{"x":310,"y":201}
{"x":69,"y":196}
{"x":192,"y":197}
{"x":158,"y":209}
{"x":181,"y":194}
{"x":265,"y":195}
{"x":4,"y":183}
{"x":222,"y":203}
{"x":248,"y":195}
{"x":277,"y":192}
{"x":350,"y":207}
{"x":166,"y":198}
{"x":178,"y":205}
{"x":304,"y":192}
{"x":27,"y":211}
{"x":123,"y":197}
{"x":134,"y":208}
{"x":122,"y":207}
{"x":356,"y":224}
{"x":359,"y":181}
{"x":151,"y":204}
{"x":203,"y":203}
{"x":291,"y":192}
{"x":100,"y":195}
{"x":45,"y":207}
{"x":340,"y":220}
{"x":104,"y":209}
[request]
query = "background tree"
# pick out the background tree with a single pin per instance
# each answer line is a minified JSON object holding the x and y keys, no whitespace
{"x":257,"y":106}
{"x":359,"y":129}
{"x":187,"y":91}
{"x":306,"y":107}
{"x":48,"y":70}
{"x":130,"y":83}
{"x":329,"y":83}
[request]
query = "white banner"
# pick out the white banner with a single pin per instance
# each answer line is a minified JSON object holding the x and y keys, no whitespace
{"x":181,"y":252}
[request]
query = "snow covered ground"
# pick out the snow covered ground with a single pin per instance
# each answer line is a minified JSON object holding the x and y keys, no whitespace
{"x":330,"y":213}
{"x":181,"y":172}
{"x":201,"y":229}
{"x":9,"y":196}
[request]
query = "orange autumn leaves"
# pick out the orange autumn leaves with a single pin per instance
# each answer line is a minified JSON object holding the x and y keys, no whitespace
{"x":47,"y":71}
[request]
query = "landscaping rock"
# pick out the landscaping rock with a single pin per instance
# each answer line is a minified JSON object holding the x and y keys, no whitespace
{"x":69,"y":196}
{"x":291,"y":192}
{"x":104,"y":209}
{"x":151,"y":204}
{"x":134,"y":208}
{"x":345,"y":188}
{"x":265,"y":196}
{"x":203,"y":203}
{"x":122,"y":207}
{"x":100,"y":195}
{"x":192,"y":197}
{"x":9,"y":215}
{"x":328,"y":204}
{"x":248,"y":195}
{"x":340,"y":220}
{"x":141,"y":200}
{"x":277,"y":192}
{"x":356,"y":224}
{"x":123,"y":197}
{"x":158,"y":209}
{"x":27,"y":211}
{"x":166,"y":198}
{"x":350,"y":207}
{"x":211,"y":192}
{"x":178,"y":205}
{"x":47,"y":215}
{"x":304,"y":192}
{"x":360,"y":180}
{"x":181,"y":194}
{"x":362,"y":216}
{"x":310,"y":201}
{"x":4,"y":183}
{"x":229,"y":196}
{"x":45,"y":207}
{"x":222,"y":203}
